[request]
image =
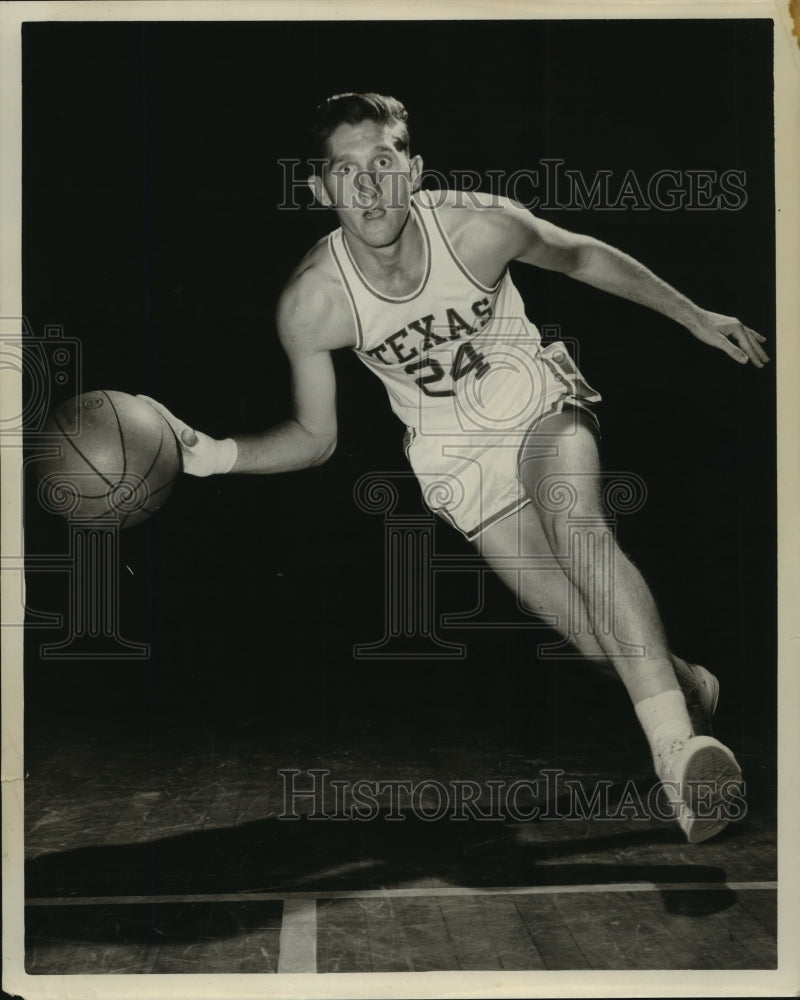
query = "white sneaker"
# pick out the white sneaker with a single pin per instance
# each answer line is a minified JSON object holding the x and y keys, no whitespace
{"x":701,"y":691}
{"x":703,"y":785}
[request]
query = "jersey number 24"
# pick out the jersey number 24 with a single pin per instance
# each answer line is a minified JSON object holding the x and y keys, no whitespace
{"x":466,"y":360}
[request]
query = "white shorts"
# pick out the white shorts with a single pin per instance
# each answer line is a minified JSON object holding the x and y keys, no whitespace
{"x":470,"y":477}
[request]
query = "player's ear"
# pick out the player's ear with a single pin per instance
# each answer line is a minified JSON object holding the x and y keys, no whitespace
{"x":318,"y":190}
{"x":415,"y":169}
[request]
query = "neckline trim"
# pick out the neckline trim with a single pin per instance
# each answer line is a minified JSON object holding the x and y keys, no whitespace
{"x":381,"y":295}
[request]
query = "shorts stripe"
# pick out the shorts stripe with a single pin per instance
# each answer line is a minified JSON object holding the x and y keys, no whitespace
{"x":497,"y":516}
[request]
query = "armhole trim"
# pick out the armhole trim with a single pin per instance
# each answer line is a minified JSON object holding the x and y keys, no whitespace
{"x":350,"y":298}
{"x":457,"y":260}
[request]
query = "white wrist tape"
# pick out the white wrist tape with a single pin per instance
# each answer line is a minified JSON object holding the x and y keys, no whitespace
{"x":208,"y":456}
{"x":227,"y":454}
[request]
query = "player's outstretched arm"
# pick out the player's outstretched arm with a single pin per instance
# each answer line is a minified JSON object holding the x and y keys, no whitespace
{"x":604,"y":267}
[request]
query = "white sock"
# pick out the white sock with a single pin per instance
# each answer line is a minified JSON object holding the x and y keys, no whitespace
{"x":665,"y":722}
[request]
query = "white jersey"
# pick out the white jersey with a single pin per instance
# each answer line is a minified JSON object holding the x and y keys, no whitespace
{"x":452,"y":350}
{"x":466,"y":373}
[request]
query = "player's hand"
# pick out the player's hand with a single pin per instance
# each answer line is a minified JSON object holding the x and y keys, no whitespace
{"x":202,"y":455}
{"x":731,"y":336}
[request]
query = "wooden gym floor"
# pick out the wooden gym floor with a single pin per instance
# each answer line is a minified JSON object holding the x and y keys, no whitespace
{"x":157,"y":847}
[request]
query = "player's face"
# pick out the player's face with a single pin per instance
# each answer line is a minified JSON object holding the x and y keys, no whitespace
{"x":368,"y":181}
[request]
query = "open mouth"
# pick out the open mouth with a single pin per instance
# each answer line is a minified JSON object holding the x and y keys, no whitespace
{"x":374,"y":213}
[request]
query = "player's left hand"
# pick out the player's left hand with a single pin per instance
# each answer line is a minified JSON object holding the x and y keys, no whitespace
{"x":731,"y":336}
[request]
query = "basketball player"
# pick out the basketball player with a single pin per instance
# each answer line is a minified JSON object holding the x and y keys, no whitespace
{"x":417,"y":283}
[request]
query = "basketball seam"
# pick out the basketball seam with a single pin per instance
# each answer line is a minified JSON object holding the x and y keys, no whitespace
{"x":100,"y":496}
{"x":121,"y":435}
{"x":152,"y":493}
{"x":155,"y":457}
{"x":164,"y":486}
{"x":77,"y":449}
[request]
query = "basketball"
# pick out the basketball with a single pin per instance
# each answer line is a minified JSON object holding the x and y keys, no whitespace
{"x":115,"y":456}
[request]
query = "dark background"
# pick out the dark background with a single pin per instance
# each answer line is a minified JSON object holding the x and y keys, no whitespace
{"x":151,"y":234}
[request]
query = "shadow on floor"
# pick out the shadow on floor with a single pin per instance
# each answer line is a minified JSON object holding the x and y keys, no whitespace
{"x":280,"y":855}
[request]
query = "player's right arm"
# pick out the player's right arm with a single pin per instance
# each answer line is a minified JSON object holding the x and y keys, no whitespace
{"x":305,"y":315}
{"x":313,"y":319}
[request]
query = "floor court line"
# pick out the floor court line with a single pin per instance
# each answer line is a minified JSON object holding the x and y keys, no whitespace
{"x":307,"y":897}
{"x":297,"y":951}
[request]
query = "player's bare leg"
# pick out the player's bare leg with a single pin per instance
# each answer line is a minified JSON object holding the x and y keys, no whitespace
{"x":613,"y":590}
{"x":550,"y":594}
{"x":547,"y":593}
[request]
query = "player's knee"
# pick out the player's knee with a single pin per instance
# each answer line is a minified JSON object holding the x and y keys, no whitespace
{"x":583,"y":521}
{"x":556,"y":529}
